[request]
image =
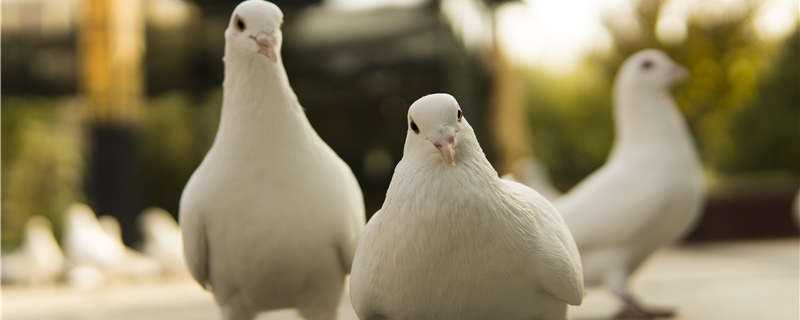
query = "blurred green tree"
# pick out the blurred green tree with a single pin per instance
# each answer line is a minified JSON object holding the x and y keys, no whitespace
{"x":42,"y":162}
{"x":765,"y":133}
{"x":723,"y":101}
{"x":175,"y":136}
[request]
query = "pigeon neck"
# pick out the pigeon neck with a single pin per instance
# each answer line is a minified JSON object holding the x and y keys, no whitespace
{"x":260,"y":110}
{"x":648,"y":119}
{"x":39,"y":239}
{"x":422,"y":175}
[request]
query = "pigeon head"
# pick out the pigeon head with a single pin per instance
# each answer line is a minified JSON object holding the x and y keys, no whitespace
{"x":255,"y":29}
{"x":651,"y":69}
{"x":38,"y":226}
{"x":154,"y":221}
{"x":436,"y":124}
{"x":111,"y":227}
{"x":80,"y":215}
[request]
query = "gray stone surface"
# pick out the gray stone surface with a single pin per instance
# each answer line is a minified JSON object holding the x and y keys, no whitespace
{"x":730,"y":281}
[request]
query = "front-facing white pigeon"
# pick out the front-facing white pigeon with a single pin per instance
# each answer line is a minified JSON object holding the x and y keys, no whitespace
{"x":270,"y":218}
{"x":650,"y":190}
{"x":454,"y":241}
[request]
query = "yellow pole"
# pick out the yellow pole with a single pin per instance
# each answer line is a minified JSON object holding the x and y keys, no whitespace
{"x":110,"y":48}
{"x":508,"y":116}
{"x":111,"y":44}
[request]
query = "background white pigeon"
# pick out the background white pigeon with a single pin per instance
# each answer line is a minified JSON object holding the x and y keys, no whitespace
{"x":271,"y":217}
{"x":162,"y":240}
{"x":134,"y":265}
{"x":454,"y":241}
{"x":38,"y":260}
{"x":649,"y":192}
{"x":86,"y":243}
{"x":530,"y":172}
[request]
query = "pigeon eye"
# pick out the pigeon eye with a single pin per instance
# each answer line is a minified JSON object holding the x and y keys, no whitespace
{"x":414,"y":127}
{"x":647,"y":65}
{"x":460,"y":115}
{"x":240,"y":24}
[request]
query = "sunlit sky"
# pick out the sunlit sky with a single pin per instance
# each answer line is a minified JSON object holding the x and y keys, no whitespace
{"x":555,"y":35}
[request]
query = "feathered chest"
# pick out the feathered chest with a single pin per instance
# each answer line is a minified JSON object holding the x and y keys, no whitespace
{"x":455,"y":225}
{"x":447,"y":249}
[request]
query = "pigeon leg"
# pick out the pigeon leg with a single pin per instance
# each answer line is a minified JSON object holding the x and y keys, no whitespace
{"x":632,"y":309}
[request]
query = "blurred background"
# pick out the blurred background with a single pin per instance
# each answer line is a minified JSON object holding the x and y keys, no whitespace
{"x":114,"y":103}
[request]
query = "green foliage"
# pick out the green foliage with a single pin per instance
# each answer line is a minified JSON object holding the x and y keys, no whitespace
{"x":42,"y":164}
{"x":43,"y":155}
{"x":740,"y":124}
{"x":570,"y":120}
{"x":175,"y":136}
{"x":766,"y":131}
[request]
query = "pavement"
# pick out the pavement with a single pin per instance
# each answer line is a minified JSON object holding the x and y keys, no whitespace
{"x":731,"y":281}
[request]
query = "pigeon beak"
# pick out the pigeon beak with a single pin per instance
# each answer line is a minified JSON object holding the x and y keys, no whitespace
{"x":448,"y":150}
{"x":679,"y":73}
{"x":266,"y":45}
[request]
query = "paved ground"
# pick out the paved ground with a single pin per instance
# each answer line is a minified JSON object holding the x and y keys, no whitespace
{"x":730,"y":281}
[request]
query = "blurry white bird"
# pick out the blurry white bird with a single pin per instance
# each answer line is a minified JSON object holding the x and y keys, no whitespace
{"x":530,"y":172}
{"x":38,"y":260}
{"x":162,"y":240}
{"x":649,"y":192}
{"x":134,"y":265}
{"x":85,"y":241}
{"x":454,"y":241}
{"x":271,"y":217}
{"x":85,"y":277}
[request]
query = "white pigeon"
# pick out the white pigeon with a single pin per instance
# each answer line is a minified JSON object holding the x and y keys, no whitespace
{"x":649,"y":192}
{"x":38,"y":260}
{"x":162,"y":240}
{"x":271,"y":217}
{"x":134,"y":265}
{"x":87,"y":243}
{"x":530,"y":172}
{"x":454,"y":241}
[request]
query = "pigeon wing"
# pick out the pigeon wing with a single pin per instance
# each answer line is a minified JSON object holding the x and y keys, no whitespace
{"x":601,"y":214}
{"x":558,"y":264}
{"x":195,"y":246}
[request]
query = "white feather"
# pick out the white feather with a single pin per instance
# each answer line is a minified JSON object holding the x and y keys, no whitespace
{"x":271,"y":217}
{"x":458,"y":242}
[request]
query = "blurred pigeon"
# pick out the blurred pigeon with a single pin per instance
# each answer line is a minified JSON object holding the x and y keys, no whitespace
{"x":38,"y":259}
{"x":454,"y":241}
{"x":271,"y":217}
{"x":650,"y":191}
{"x":134,"y":265}
{"x":530,"y":172}
{"x":87,"y":243}
{"x":162,"y":240}
{"x":110,"y":226}
{"x":85,"y":277}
